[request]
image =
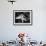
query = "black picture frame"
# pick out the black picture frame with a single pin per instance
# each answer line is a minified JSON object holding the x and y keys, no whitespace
{"x":22,"y":17}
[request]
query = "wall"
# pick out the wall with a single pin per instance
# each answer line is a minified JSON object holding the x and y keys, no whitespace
{"x":38,"y":29}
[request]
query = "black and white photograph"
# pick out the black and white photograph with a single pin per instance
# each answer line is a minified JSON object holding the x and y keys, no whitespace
{"x":22,"y":16}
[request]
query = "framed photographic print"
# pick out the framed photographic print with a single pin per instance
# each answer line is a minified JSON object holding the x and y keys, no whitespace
{"x":22,"y":17}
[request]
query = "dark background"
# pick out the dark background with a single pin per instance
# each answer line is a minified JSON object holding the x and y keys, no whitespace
{"x":26,"y":14}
